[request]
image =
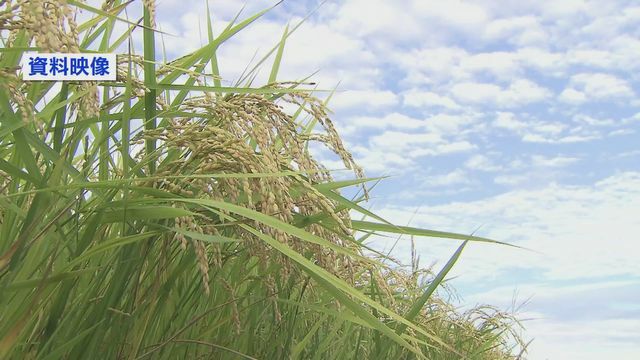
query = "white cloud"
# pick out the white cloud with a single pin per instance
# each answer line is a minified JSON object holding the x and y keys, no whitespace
{"x":364,"y":100}
{"x":501,"y":64}
{"x":533,"y":172}
{"x":520,"y":92}
{"x":631,"y":153}
{"x":220,"y":9}
{"x":520,"y":30}
{"x":431,"y":65}
{"x":382,"y":162}
{"x":538,"y":138}
{"x":457,"y":15}
{"x":419,"y":98}
{"x":593,"y":225}
{"x":186,"y":35}
{"x":433,"y":127}
{"x":621,"y":132}
{"x":558,"y":161}
{"x":507,"y":120}
{"x":548,"y":63}
{"x":375,"y":18}
{"x":482,"y":163}
{"x":590,"y":57}
{"x":524,"y":92}
{"x":456,"y":177}
{"x":448,"y":148}
{"x":477,"y":93}
{"x":390,"y":140}
{"x":589,"y":120}
{"x":439,"y":124}
{"x":533,"y":130}
{"x":392,"y":120}
{"x":625,"y":49}
{"x":451,"y":65}
{"x":607,"y":339}
{"x":565,"y":318}
{"x":595,"y":86}
{"x":548,"y":128}
{"x":565,"y":8}
{"x":339,"y":56}
{"x":609,"y":25}
{"x":573,"y":96}
{"x":397,"y":151}
{"x":511,"y":180}
{"x":445,"y":124}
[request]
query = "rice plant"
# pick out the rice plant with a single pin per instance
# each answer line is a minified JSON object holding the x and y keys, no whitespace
{"x":166,"y":216}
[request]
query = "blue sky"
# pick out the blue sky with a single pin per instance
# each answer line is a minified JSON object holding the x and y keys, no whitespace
{"x":520,"y":118}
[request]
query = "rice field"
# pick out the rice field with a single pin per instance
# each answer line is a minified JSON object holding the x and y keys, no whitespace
{"x":166,"y":216}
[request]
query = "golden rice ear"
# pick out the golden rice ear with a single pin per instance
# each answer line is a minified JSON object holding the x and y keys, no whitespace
{"x":12,"y":84}
{"x":216,"y":141}
{"x":51,"y":23}
{"x":203,"y":264}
